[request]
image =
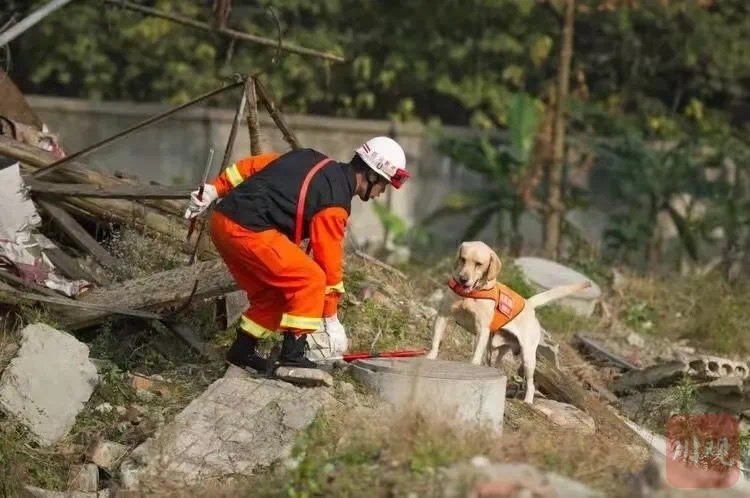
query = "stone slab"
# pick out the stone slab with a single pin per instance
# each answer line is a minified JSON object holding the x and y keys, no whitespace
{"x":48,"y":382}
{"x":237,"y":426}
{"x":450,"y":390}
{"x":545,"y":274}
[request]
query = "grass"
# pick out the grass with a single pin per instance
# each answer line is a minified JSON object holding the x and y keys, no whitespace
{"x":358,"y":448}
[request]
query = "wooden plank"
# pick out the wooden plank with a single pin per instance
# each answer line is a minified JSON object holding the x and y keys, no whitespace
{"x":157,"y":291}
{"x":14,"y":296}
{"x":107,"y":192}
{"x":69,"y":266}
{"x":77,"y":233}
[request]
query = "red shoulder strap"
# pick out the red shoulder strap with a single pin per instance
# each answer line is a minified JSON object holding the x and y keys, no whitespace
{"x":299,"y":220}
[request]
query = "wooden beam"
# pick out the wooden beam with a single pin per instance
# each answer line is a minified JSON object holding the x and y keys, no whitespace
{"x":107,"y":192}
{"x":149,"y":214}
{"x":158,"y":291}
{"x":69,"y":266}
{"x":77,"y":233}
{"x":276,"y":115}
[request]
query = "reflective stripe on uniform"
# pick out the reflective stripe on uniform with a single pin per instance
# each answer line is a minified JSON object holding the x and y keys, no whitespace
{"x":253,"y":329}
{"x":339,"y":287}
{"x":300,"y":322}
{"x":233,"y":175}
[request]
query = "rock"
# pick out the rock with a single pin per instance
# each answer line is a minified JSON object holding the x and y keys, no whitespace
{"x":636,"y":340}
{"x":104,"y":408}
{"x":501,"y":480}
{"x":565,"y":415}
{"x":549,"y":349}
{"x":107,"y":454}
{"x":305,"y":376}
{"x":84,"y":478}
{"x":47,"y":384}
{"x":545,"y":274}
{"x":457,"y":392}
{"x":238,"y":425}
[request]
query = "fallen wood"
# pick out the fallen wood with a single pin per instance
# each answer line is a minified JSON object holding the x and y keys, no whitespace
{"x":157,"y":291}
{"x":380,"y":264}
{"x":69,"y":267}
{"x":15,"y":297}
{"x":108,"y":192}
{"x":594,"y":349}
{"x":149,"y":215}
{"x":77,"y":233}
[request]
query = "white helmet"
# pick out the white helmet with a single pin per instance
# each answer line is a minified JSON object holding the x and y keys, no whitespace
{"x":386,"y":157}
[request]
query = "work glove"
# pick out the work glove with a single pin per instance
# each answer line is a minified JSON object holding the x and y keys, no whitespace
{"x":196,"y":206}
{"x":337,"y":340}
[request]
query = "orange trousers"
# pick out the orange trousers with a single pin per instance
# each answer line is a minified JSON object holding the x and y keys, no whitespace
{"x":285,"y":287}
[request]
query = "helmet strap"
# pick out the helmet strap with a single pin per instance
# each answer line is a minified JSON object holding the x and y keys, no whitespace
{"x":372,"y":179}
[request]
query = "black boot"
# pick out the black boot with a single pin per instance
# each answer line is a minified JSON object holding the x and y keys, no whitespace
{"x":243,"y":353}
{"x":293,"y":350}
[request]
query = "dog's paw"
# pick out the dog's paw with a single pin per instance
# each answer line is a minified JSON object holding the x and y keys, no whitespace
{"x":431,"y":355}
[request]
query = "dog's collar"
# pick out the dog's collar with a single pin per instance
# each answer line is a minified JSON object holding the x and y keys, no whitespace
{"x":474,"y":293}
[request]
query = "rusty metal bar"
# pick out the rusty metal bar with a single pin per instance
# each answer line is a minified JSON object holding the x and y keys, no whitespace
{"x":229,"y":33}
{"x":153,"y":119}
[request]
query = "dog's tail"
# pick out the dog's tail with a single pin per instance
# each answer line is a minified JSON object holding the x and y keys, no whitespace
{"x":556,"y":293}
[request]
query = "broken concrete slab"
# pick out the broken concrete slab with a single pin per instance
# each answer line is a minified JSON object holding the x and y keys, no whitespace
{"x":661,"y":375}
{"x":705,"y":368}
{"x":48,"y":382}
{"x":714,"y":367}
{"x":235,"y":303}
{"x":239,"y":424}
{"x":565,"y":415}
{"x":455,"y":391}
{"x":728,"y":394}
{"x":488,"y":479}
{"x":545,"y":274}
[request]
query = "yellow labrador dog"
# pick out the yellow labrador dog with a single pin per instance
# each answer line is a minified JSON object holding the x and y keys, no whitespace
{"x":491,"y":310}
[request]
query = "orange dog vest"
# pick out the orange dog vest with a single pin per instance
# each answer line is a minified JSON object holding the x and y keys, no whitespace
{"x":508,"y":303}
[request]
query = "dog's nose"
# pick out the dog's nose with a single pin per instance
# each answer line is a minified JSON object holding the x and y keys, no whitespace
{"x":462,"y":279}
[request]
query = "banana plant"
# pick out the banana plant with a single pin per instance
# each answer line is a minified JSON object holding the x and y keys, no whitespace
{"x":504,"y":165}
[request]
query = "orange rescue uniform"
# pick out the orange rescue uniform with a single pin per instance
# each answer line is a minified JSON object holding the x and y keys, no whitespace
{"x":508,"y":303}
{"x":286,"y":288}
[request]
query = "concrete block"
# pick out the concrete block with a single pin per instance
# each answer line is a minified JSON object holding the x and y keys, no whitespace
{"x":449,"y":389}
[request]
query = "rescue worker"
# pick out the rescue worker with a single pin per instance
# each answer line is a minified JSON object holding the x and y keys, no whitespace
{"x":267,"y":204}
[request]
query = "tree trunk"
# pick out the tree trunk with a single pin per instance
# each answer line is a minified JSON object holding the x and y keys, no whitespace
{"x":555,"y":208}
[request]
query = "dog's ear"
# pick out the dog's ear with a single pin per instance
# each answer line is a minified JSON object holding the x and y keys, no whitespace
{"x":493,"y":270}
{"x":459,"y":251}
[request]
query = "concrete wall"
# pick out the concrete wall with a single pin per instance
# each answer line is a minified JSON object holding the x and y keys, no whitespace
{"x":174,"y":152}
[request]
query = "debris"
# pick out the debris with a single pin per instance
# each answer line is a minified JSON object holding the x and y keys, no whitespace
{"x":47,"y":357}
{"x":304,"y":376}
{"x":107,"y":455}
{"x":34,"y":492}
{"x":636,"y":340}
{"x":84,"y":478}
{"x":565,"y":415}
{"x":236,"y":426}
{"x":593,"y":348}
